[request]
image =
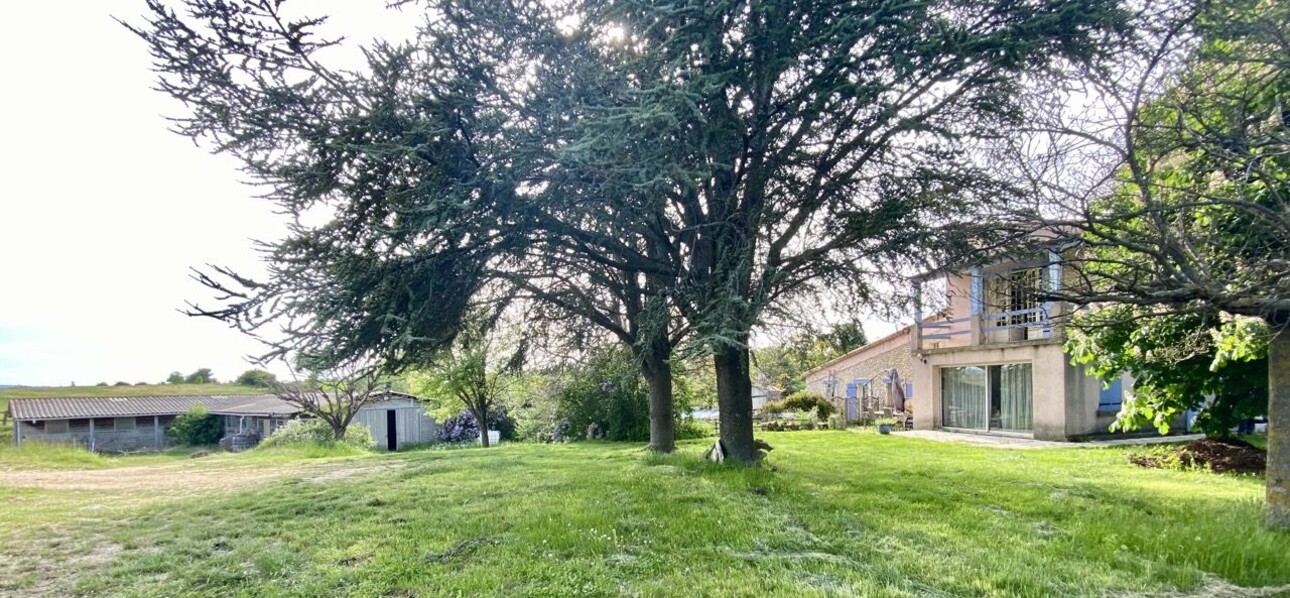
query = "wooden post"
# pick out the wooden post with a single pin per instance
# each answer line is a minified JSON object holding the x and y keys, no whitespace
{"x":976,"y":301}
{"x":91,"y":434}
{"x":156,"y":431}
{"x":1052,"y":309}
{"x":918,"y":317}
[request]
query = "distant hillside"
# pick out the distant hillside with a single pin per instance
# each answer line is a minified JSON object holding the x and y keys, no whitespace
{"x":149,"y":390}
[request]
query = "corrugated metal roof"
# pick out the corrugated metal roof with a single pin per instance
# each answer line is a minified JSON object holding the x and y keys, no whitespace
{"x":253,"y":405}
{"x":87,"y":407}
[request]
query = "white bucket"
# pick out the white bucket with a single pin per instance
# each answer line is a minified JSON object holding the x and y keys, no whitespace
{"x":494,"y":437}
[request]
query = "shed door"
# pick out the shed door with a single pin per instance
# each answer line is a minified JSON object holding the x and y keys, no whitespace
{"x":392,"y":429}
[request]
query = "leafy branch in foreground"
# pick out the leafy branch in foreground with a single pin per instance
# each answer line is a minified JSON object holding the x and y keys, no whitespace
{"x":1179,"y":362}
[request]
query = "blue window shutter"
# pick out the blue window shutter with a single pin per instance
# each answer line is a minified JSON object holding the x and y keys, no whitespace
{"x":1110,"y":399}
{"x":909,"y":390}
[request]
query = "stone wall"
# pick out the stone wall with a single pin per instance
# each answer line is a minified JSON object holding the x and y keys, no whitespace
{"x":869,"y":362}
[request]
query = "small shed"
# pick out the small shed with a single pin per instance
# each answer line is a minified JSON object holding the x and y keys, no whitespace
{"x":397,"y":421}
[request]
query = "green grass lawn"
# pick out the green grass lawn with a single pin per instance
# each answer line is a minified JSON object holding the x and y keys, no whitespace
{"x":834,"y":514}
{"x":147,"y":390}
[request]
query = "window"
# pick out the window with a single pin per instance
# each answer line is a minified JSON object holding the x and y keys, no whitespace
{"x":124,"y":423}
{"x":963,"y":397}
{"x":996,"y":397}
{"x":104,"y":424}
{"x":56,"y":426}
{"x":143,"y":421}
{"x":1015,"y":291}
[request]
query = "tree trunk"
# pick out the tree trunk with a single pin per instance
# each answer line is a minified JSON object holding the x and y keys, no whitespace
{"x":1278,"y":475}
{"x":482,"y":421}
{"x":734,"y":400}
{"x":658,"y":374}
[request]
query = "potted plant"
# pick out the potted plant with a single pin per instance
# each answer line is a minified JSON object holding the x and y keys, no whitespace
{"x":884,"y":425}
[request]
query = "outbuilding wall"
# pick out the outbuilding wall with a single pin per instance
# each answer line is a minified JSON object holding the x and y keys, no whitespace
{"x":119,"y":434}
{"x":413,"y":425}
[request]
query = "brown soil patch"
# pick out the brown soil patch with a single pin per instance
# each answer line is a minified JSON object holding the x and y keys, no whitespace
{"x":1218,"y":455}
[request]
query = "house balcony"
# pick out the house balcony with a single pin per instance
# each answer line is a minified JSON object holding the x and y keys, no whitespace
{"x":985,"y":329}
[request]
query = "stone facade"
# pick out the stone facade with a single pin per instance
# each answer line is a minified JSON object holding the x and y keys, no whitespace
{"x":868,"y":363}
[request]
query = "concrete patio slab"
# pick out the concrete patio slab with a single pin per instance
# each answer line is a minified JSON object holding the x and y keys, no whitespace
{"x":1030,"y":443}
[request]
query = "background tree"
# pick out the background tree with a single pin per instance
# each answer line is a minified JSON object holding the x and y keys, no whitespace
{"x":255,"y":377}
{"x":336,"y":398}
{"x":784,"y":365}
{"x":629,"y":307}
{"x":474,"y":373}
{"x":201,"y":376}
{"x":175,"y":378}
{"x":823,"y":144}
{"x":695,"y":383}
{"x":1191,"y":214}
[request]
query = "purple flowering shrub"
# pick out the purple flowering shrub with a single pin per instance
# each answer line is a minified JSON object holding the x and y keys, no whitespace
{"x":463,"y":427}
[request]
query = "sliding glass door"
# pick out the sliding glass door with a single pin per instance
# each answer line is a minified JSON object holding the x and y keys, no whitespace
{"x":964,"y":394}
{"x":1010,"y":399}
{"x":996,"y":397}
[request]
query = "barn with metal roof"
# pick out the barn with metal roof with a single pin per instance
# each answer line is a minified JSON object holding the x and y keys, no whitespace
{"x":127,"y":423}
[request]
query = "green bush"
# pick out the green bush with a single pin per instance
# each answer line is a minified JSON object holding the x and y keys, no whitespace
{"x":256,"y":378}
{"x":194,"y":428}
{"x":774,"y":407}
{"x":805,"y":401}
{"x":608,"y":391}
{"x":688,"y":429}
{"x":316,"y":432}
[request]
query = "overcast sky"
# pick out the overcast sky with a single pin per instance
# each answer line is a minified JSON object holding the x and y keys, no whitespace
{"x":103,"y":211}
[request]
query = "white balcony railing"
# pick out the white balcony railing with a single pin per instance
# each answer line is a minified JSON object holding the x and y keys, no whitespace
{"x":985,"y":329}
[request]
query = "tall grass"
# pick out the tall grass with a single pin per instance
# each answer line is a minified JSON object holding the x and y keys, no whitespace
{"x":306,"y":450}
{"x":48,"y":455}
